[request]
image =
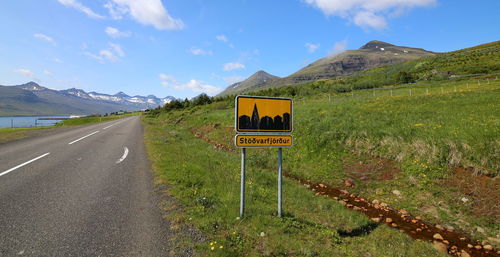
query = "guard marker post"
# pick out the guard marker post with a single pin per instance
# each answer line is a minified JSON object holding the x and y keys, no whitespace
{"x":263,"y":122}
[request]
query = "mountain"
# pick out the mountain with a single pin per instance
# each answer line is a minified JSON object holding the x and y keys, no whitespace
{"x":258,"y":78}
{"x":371,"y":55}
{"x":33,"y":99}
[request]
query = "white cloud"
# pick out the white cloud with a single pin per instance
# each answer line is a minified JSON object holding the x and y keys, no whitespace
{"x":55,"y":59}
{"x":366,"y":19}
{"x":75,"y":4}
{"x":222,"y":38}
{"x":312,"y":47}
{"x":116,"y":33}
{"x":94,"y":56}
{"x":48,"y":73}
{"x":118,"y":49}
{"x":233,"y":79}
{"x":233,"y":66}
{"x":192,"y":85}
{"x":116,"y":12}
{"x":111,"y":54}
{"x":199,"y":51}
{"x":108,"y":55}
{"x":368,"y":14}
{"x":338,"y":48}
{"x":167,"y":78}
{"x":45,"y":37}
{"x":26,"y":73}
{"x":147,"y":12}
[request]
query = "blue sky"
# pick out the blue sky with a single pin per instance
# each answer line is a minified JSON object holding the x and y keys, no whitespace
{"x":184,"y":47}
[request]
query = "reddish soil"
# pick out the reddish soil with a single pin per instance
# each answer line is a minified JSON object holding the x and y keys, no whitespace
{"x":201,"y":134}
{"x":371,"y":169}
{"x":482,"y":191}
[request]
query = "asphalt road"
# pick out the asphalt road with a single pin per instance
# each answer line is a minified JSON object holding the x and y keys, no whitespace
{"x":82,"y":192}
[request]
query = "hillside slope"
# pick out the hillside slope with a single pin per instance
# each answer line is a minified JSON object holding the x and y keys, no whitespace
{"x":373,"y":54}
{"x":257,"y":79}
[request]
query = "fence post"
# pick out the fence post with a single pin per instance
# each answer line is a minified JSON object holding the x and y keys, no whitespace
{"x":427,"y":91}
{"x":391,"y":92}
{"x":410,"y":92}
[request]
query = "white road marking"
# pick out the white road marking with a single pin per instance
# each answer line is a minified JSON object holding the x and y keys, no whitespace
{"x":125,"y":153}
{"x":115,"y":123}
{"x":26,"y":163}
{"x":110,"y":125}
{"x":72,"y":142}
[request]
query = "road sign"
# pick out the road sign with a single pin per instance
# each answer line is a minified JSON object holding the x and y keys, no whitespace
{"x":262,"y":122}
{"x":263,"y":114}
{"x":263,"y":141}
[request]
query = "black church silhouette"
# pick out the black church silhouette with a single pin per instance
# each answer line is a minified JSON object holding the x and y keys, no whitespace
{"x":266,"y":123}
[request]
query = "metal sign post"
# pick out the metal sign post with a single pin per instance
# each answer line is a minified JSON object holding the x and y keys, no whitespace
{"x":280,"y":162}
{"x":242,"y":189}
{"x":263,"y":122}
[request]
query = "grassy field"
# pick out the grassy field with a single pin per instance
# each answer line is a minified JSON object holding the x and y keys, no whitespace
{"x":206,"y":182}
{"x":397,"y":145}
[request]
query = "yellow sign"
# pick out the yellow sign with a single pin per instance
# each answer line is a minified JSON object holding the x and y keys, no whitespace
{"x":270,"y":141}
{"x":263,"y":114}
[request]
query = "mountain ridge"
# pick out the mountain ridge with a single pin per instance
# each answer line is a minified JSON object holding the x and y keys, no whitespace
{"x":32,"y":99}
{"x":371,"y":55}
{"x":254,"y":80}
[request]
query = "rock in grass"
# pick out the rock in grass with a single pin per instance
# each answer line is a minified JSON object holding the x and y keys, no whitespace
{"x":396,"y":192}
{"x":388,"y":220}
{"x":488,"y":247}
{"x":440,"y":247}
{"x":437,"y":236}
{"x":375,"y":201}
{"x":464,"y":254}
{"x":375,"y":219}
{"x":348,"y":183}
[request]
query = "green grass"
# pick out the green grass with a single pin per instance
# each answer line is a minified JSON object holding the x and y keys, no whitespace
{"x":443,"y":124}
{"x":206,"y":181}
{"x":8,"y":134}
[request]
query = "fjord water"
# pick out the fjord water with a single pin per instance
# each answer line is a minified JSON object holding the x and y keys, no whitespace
{"x":28,"y":121}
